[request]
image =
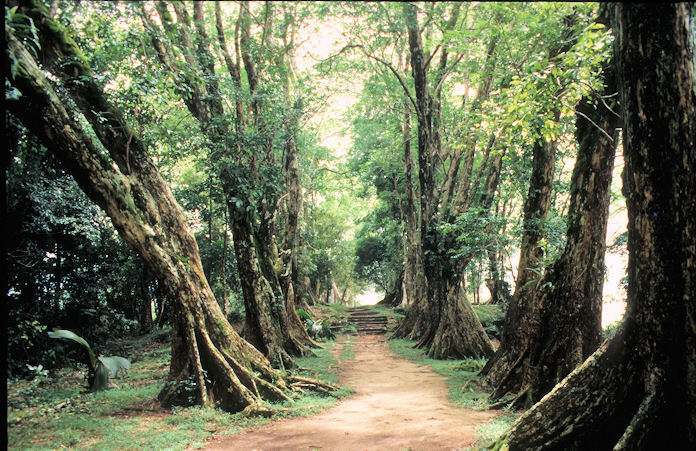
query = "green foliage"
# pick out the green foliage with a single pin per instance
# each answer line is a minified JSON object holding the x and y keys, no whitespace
{"x":303,"y":315}
{"x":372,"y":260}
{"x":492,"y":318}
{"x":58,"y":413}
{"x":99,"y":366}
{"x":317,"y":329}
{"x":67,"y":266}
{"x":23,"y":28}
{"x":488,"y":433}
{"x":476,"y":232}
{"x":610,"y":331}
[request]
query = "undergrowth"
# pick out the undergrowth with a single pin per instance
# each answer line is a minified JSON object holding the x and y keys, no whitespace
{"x":489,"y":433}
{"x":57,"y":412}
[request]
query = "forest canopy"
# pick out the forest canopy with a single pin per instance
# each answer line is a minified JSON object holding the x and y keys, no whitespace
{"x":214,"y":168}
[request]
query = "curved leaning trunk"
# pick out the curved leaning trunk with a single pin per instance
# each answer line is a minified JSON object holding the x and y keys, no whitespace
{"x":277,"y":332}
{"x":210,"y":363}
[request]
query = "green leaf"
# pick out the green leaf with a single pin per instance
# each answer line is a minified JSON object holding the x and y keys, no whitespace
{"x":101,"y":378}
{"x":68,"y":335}
{"x":115,"y":363}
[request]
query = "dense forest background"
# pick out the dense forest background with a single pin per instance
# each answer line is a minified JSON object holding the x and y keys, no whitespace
{"x":70,"y":269}
{"x":218,"y":168}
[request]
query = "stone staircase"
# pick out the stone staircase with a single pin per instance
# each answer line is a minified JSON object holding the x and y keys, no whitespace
{"x":366,"y":321}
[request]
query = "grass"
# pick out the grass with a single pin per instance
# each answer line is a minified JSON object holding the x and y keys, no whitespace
{"x":488,"y":313}
{"x":489,"y":433}
{"x":463,"y":381}
{"x":57,"y":412}
{"x":466,"y":388}
{"x":335,"y":315}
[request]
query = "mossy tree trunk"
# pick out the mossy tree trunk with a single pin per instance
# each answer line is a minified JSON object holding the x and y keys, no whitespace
{"x":271,"y":323}
{"x":569,"y":295}
{"x":439,"y":317}
{"x":210,"y":363}
{"x":522,"y":314}
{"x":639,"y":390}
{"x":508,"y":368}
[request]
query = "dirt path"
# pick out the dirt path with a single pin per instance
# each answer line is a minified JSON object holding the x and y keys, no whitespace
{"x":397,"y":405}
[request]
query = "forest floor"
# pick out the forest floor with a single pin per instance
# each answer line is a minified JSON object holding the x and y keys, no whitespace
{"x":392,"y":397}
{"x":397,"y":405}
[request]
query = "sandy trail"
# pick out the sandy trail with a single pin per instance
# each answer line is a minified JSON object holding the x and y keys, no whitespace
{"x":397,"y":405}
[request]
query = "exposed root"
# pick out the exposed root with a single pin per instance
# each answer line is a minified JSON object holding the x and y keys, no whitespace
{"x":633,"y":437}
{"x":259,"y":409}
{"x":303,"y":383}
{"x":502,"y":404}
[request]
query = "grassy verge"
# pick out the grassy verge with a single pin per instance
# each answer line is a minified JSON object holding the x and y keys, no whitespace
{"x":466,"y":388}
{"x":463,"y":381}
{"x":57,"y":412}
{"x":489,"y":433}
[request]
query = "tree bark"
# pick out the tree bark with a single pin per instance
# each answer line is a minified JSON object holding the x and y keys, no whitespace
{"x":443,"y":322}
{"x":639,"y":390}
{"x":570,"y":327}
{"x":222,"y":368}
{"x":210,"y":364}
{"x":522,"y":315}
{"x":413,"y":283}
{"x":508,"y":369}
{"x":277,"y":331}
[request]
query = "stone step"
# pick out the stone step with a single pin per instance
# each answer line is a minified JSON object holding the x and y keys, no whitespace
{"x":365,"y":315}
{"x":360,"y":329}
{"x":367,"y":322}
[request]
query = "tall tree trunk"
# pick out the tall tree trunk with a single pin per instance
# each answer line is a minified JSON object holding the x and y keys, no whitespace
{"x":569,"y":297}
{"x":570,"y":327}
{"x":280,"y":333}
{"x":639,"y":390}
{"x":507,"y":369}
{"x":223,"y":270}
{"x":295,"y":330}
{"x":210,"y":363}
{"x":413,"y":279}
{"x":440,"y":319}
{"x":523,"y":312}
{"x":496,"y":284}
{"x":224,"y":369}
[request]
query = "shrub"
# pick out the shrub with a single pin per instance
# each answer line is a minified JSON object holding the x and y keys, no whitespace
{"x":99,"y":366}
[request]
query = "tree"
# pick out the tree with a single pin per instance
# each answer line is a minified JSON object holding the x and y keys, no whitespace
{"x":244,"y":155}
{"x":638,"y":391}
{"x":566,"y":328}
{"x":443,"y":323}
{"x":211,"y":364}
{"x":66,"y":266}
{"x":509,"y":369}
